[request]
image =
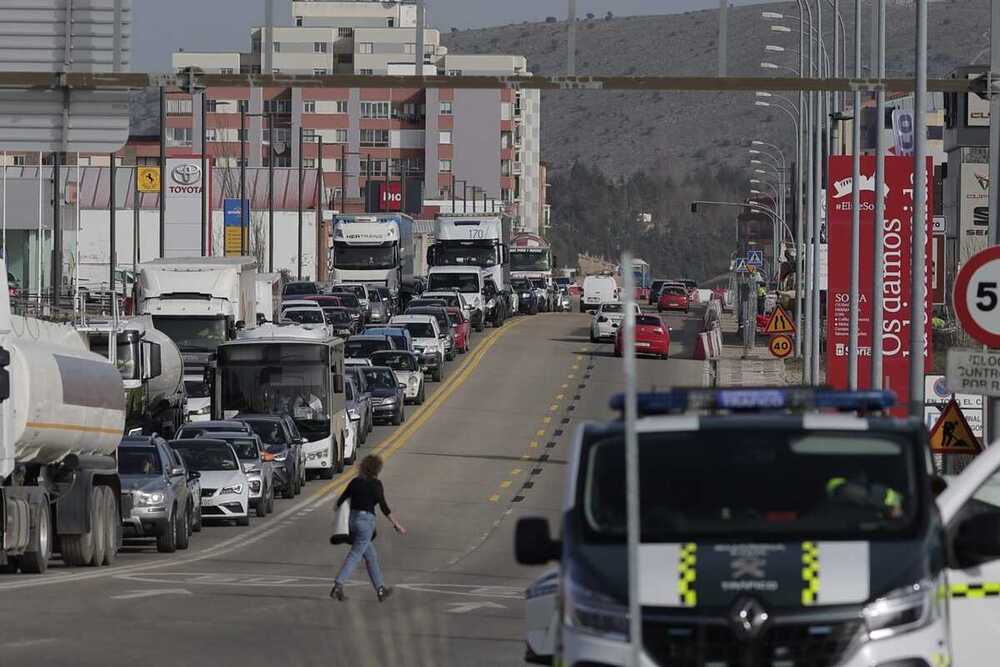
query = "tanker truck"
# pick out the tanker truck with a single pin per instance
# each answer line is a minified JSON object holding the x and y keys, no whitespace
{"x":62,"y":414}
{"x":152,"y":372}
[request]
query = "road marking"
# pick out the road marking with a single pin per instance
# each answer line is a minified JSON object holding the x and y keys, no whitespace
{"x":135,"y":595}
{"x":570,"y":376}
{"x":495,"y":498}
{"x":466,"y":607}
{"x":466,"y":590}
{"x":553,"y":408}
{"x":533,"y":444}
{"x":540,"y":433}
{"x":516,"y":471}
{"x":279,"y":521}
{"x":565,"y":386}
{"x":546,"y":420}
{"x":505,"y":484}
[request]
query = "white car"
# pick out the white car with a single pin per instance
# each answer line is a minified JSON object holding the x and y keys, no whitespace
{"x":406,"y":366}
{"x":225,"y":489}
{"x":598,"y":290}
{"x":542,"y":616}
{"x":351,"y":361}
{"x":305,"y":317}
{"x":607,"y":320}
{"x":426,"y":341}
{"x":300,"y":303}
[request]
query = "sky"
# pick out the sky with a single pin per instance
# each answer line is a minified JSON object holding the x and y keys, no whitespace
{"x":163,"y":27}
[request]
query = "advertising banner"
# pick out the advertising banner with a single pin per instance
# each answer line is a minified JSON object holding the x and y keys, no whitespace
{"x":233,"y":216}
{"x":896,"y":281}
{"x":973,"y":210}
{"x":390,"y":196}
{"x":182,"y":226}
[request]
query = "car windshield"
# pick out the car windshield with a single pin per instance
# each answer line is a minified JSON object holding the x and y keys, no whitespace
{"x":537,"y":283}
{"x":304,"y":316}
{"x":674,"y":291}
{"x":397,"y":361}
{"x":440,"y":315}
{"x":348,"y":300}
{"x":520,"y":285}
{"x":359,"y":258}
{"x":356,"y":290}
{"x":836,"y":485}
{"x":467,"y":254}
{"x":193,"y":334}
{"x":432,"y":302}
{"x":420,"y":329}
{"x":450,"y":300}
{"x":337,"y":316}
{"x":380,"y":378}
{"x":300,"y":288}
{"x":138,"y":461}
{"x":529,"y":259}
{"x":197,"y":388}
{"x":612,"y":308}
{"x":270,"y":432}
{"x":362,"y":348}
{"x":245,"y":448}
{"x":463,"y":282}
{"x":207,"y":456}
{"x":648,"y":320}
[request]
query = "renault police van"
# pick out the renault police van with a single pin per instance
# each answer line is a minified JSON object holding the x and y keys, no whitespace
{"x":779,"y":527}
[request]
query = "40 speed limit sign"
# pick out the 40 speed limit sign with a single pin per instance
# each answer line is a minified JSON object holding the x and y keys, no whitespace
{"x":977,"y":296}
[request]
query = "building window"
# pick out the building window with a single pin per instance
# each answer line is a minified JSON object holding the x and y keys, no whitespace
{"x":345,"y":32}
{"x":505,"y":167}
{"x":243,"y":135}
{"x":445,"y":108}
{"x":505,"y":140}
{"x":211,"y":134}
{"x":243,"y":105}
{"x":277,"y":47}
{"x":278,"y":106}
{"x":338,"y":164}
{"x":212,"y":106}
{"x":445,"y":137}
{"x":340,"y":137}
{"x":282,"y":135}
{"x":341,"y":106}
{"x":505,"y":111}
{"x":375,"y":138}
{"x":308,"y":163}
{"x":364,"y":71}
{"x":445,"y":166}
{"x":308,"y":134}
{"x":320,"y":47}
{"x":177,"y":107}
{"x":345,"y":58}
{"x":227,"y":70}
{"x":279,"y":160}
{"x":390,"y":23}
{"x":377,"y":167}
{"x":374,"y":109}
{"x":298,"y":21}
{"x":309,"y":106}
{"x":410,"y":48}
{"x":19,"y":160}
{"x":454,"y":72}
{"x":319,"y":71}
{"x":178,"y":136}
{"x":366,"y":48}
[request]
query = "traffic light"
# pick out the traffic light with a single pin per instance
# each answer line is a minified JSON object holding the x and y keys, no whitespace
{"x":4,"y":374}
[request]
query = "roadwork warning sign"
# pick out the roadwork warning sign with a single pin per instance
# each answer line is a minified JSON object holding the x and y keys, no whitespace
{"x":952,"y":433}
{"x":779,"y":322}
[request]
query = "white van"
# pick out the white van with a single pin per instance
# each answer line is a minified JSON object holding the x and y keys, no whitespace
{"x":598,"y":290}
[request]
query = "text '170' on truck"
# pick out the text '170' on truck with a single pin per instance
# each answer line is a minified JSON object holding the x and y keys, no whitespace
{"x":62,"y":414}
{"x":199,"y":302}
{"x":473,"y":241}
{"x":374,"y":250}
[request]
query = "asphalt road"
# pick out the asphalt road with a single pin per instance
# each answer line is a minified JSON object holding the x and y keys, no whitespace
{"x":489,"y":445}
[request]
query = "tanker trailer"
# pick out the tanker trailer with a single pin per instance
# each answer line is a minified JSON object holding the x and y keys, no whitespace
{"x":62,"y":415}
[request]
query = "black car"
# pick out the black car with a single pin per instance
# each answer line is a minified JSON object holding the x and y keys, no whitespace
{"x":362,"y":347}
{"x":388,"y":394}
{"x":283,"y":445}
{"x":352,"y":305}
{"x":365,"y":426}
{"x":340,"y":321}
{"x":527,"y":298}
{"x":297,"y":289}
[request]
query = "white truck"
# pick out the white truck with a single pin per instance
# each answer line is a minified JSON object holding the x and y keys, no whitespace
{"x":268,"y":297}
{"x":62,"y":414}
{"x":373,"y":250}
{"x":476,"y":241}
{"x":199,"y":302}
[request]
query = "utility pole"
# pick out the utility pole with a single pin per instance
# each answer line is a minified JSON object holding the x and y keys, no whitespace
{"x":301,"y":186}
{"x":269,"y":38}
{"x":878,"y":66}
{"x":270,"y":192}
{"x":571,"y":39}
{"x":112,"y":206}
{"x":993,"y":413}
{"x":919,"y":250}
{"x":817,"y":208}
{"x":855,"y":284}
{"x":724,"y":36}
{"x":163,"y":170}
{"x":57,"y":230}
{"x":205,"y":180}
{"x":419,"y":56}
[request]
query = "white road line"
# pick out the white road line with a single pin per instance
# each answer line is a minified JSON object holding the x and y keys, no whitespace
{"x":135,"y":595}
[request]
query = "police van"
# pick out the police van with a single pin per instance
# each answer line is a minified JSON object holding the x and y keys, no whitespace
{"x":780,"y":528}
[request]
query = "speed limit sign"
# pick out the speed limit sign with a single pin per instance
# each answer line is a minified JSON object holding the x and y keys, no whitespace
{"x":977,"y":296}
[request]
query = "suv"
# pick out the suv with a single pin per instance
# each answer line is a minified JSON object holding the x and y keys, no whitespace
{"x":285,"y":448}
{"x":400,"y":336}
{"x":426,"y":342}
{"x":861,"y":555}
{"x":157,"y":480}
{"x":445,"y":333}
{"x":364,"y":346}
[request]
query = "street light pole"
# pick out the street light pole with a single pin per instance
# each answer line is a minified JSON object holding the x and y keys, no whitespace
{"x":855,"y":280}
{"x":919,"y":250}
{"x":817,"y":211}
{"x":244,"y":208}
{"x":270,"y":193}
{"x":879,"y":226}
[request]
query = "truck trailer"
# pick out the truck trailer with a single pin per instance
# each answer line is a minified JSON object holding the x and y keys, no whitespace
{"x":372,"y":249}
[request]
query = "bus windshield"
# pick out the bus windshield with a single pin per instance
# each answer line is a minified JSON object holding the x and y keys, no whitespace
{"x":279,"y":378}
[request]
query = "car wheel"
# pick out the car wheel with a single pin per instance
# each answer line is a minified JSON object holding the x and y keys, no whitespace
{"x":184,"y":530}
{"x":260,"y":509}
{"x":420,"y":395}
{"x":36,"y":559}
{"x":338,"y":465}
{"x":397,"y":417}
{"x":665,"y":355}
{"x":436,"y":374}
{"x":593,"y":338}
{"x":198,"y":522}
{"x":166,"y":541}
{"x":362,"y":433}
{"x":326,"y":473}
{"x":244,"y":520}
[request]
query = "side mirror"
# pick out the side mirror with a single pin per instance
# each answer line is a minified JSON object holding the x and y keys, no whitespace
{"x":176,"y":471}
{"x":977,"y":540}
{"x":533,"y":544}
{"x":402,"y":386}
{"x":194,"y":474}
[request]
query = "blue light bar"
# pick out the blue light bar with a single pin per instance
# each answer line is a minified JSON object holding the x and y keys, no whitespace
{"x":756,"y":399}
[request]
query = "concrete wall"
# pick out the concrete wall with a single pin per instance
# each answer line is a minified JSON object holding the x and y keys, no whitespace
{"x":476,"y":138}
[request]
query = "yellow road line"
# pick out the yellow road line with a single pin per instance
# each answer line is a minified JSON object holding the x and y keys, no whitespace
{"x":546,"y":420}
{"x":495,"y":498}
{"x":505,"y":484}
{"x":560,"y":397}
{"x":533,"y":444}
{"x":540,"y":433}
{"x":515,"y":472}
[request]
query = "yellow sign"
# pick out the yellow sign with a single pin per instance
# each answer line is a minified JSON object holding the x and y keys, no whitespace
{"x":780,"y":346}
{"x":952,"y":434}
{"x":234,"y":245}
{"x":779,"y":322}
{"x":149,"y":179}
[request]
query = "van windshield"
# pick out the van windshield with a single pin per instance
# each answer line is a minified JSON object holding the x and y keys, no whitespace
{"x":833,"y":485}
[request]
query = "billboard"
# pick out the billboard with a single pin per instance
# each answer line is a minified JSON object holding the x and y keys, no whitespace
{"x":182,"y":234}
{"x":973,"y":209}
{"x":896,"y":281}
{"x":390,"y":196}
{"x":233,"y":221}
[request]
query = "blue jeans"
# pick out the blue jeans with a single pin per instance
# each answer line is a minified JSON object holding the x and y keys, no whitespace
{"x":362,"y":525}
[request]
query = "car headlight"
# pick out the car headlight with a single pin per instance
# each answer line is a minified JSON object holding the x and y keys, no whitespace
{"x":389,"y":401}
{"x":353,"y":414}
{"x":201,"y":411}
{"x":594,"y":612}
{"x":903,"y":610}
{"x":154,"y":498}
{"x":255,"y":470}
{"x":280,"y":458}
{"x":491,"y":303}
{"x":413,"y":382}
{"x":236,"y":488}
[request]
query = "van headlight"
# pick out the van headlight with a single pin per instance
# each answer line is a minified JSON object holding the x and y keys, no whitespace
{"x":594,"y":612}
{"x":903,"y":610}
{"x":201,"y":411}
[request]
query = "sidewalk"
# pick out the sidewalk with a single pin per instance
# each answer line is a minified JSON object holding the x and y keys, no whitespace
{"x":758,"y":369}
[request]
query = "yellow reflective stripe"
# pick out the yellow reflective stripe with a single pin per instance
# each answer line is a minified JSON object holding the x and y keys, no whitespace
{"x":940,"y":660}
{"x":687,"y":570}
{"x":835,"y":484}
{"x":810,"y":573}
{"x":975,"y":591}
{"x":46,"y":426}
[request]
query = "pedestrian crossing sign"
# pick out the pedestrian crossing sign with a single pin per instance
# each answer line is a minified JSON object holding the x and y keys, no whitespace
{"x":741,"y":266}
{"x":755,"y":257}
{"x":952,"y":433}
{"x":779,"y":322}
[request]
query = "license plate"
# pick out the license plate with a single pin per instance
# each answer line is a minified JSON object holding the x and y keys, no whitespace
{"x":641,"y":344}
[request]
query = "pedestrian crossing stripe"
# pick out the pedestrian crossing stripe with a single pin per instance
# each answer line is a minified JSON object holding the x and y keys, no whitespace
{"x":952,"y":434}
{"x":779,"y":322}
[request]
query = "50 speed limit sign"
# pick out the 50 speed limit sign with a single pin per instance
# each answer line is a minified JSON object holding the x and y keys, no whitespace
{"x":977,"y":296}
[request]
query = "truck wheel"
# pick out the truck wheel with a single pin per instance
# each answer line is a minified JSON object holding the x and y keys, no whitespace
{"x":36,"y":559}
{"x":114,"y":529}
{"x":479,"y":326}
{"x":184,"y":530}
{"x":166,"y":541}
{"x":78,"y":550}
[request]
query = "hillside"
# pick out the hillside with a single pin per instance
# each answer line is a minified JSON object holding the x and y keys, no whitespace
{"x":624,"y":132}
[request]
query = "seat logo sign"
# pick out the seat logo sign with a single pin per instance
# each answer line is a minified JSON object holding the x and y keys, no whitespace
{"x":186,"y":178}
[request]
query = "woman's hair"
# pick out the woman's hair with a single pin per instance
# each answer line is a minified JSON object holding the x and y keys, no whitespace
{"x":371,"y":466}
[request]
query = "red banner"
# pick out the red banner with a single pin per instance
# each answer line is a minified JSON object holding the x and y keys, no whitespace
{"x":896,"y":278}
{"x":390,"y":196}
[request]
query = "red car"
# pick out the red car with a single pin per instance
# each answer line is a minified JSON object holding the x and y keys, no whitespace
{"x":673,"y":298}
{"x":651,"y":337}
{"x":461,"y":328}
